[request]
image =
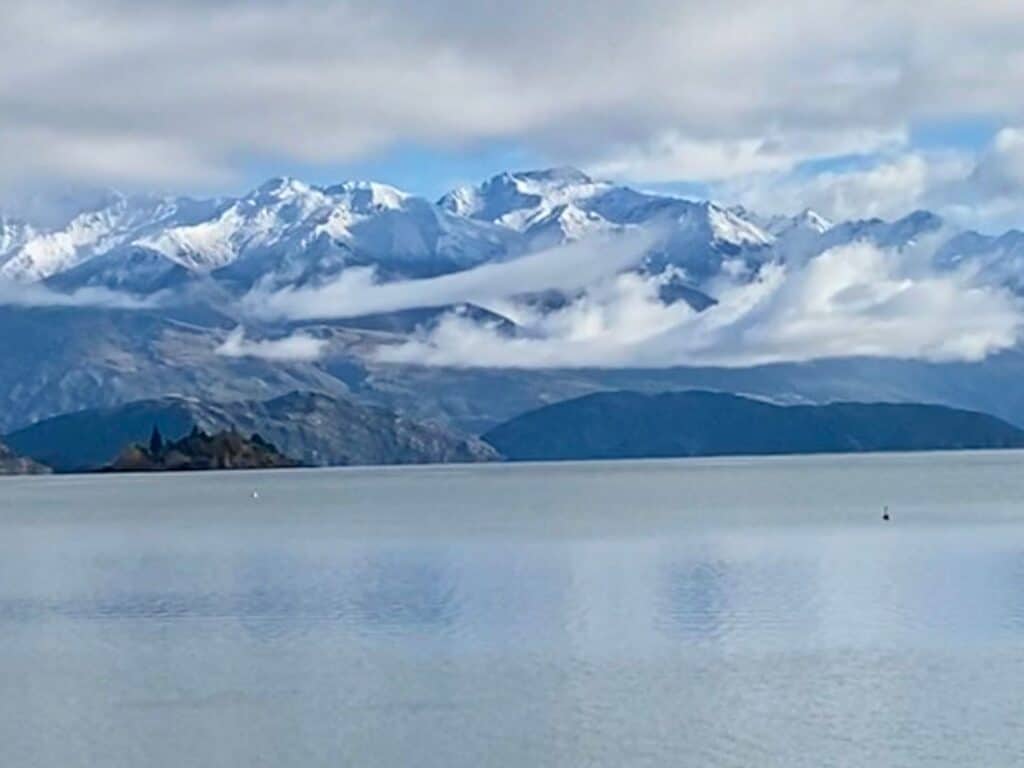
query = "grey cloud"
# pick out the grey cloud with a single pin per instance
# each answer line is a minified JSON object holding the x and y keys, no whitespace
{"x":175,"y":94}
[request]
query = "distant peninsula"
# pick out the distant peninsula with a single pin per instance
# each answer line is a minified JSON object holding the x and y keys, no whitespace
{"x":201,"y":451}
{"x":312,"y":429}
{"x":619,"y":425}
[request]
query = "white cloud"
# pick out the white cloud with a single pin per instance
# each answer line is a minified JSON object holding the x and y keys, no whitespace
{"x":1000,"y":169}
{"x":299,"y":347}
{"x":188,"y":92}
{"x":892,"y":188}
{"x":851,"y":301}
{"x":674,"y":156}
{"x":983,"y":190}
{"x":19,"y":294}
{"x":357,"y":292}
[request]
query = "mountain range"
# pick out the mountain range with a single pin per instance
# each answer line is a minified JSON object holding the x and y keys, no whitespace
{"x":288,"y":233}
{"x":127,"y":298}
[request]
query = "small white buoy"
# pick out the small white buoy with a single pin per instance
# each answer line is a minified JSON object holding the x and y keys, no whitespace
{"x":255,"y":494}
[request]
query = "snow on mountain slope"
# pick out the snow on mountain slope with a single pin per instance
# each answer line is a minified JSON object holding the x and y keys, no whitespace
{"x":283,"y":231}
{"x":564,"y":205}
{"x":287,"y":232}
{"x":997,"y":260}
{"x":13,"y":236}
{"x":42,"y":254}
{"x":516,"y":200}
{"x":264,"y":218}
{"x":38,"y":255}
{"x":885,"y":234}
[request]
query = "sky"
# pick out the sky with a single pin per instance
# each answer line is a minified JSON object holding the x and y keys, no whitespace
{"x":853,"y":108}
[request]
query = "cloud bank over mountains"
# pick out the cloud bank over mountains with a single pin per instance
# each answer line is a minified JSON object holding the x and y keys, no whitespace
{"x":539,"y":269}
{"x":851,"y":301}
{"x":743,"y":96}
{"x":571,"y":267}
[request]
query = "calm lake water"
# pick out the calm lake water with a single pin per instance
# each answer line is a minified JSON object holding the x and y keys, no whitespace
{"x":708,"y":613}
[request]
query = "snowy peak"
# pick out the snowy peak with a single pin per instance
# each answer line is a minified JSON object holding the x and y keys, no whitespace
{"x":35,"y":255}
{"x":564,"y":204}
{"x":812,"y":221}
{"x":280,"y":187}
{"x":726,"y":226}
{"x":368,"y":196}
{"x":885,"y":234}
{"x":519,"y":200}
{"x":289,"y":232}
{"x":565,"y":175}
{"x":807,"y":220}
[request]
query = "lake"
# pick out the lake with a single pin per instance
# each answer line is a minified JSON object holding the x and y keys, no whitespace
{"x":733,"y":612}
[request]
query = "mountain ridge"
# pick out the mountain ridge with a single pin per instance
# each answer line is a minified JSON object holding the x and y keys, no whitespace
{"x":189,"y":265}
{"x":286,"y":232}
{"x":623,"y":424}
{"x":311,"y":427}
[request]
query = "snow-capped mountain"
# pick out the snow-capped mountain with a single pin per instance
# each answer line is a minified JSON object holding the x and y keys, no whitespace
{"x":39,"y":254}
{"x":998,"y":260}
{"x":885,"y":234}
{"x":564,"y":204}
{"x":546,"y":206}
{"x":286,"y":232}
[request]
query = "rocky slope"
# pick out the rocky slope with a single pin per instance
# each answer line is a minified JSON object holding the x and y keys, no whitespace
{"x":314,"y":428}
{"x":199,"y":451}
{"x":12,"y":464}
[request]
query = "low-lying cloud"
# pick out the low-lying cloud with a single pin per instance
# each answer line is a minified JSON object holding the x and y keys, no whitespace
{"x":18,"y":294}
{"x":299,"y":347}
{"x":852,"y":301}
{"x":357,"y":291}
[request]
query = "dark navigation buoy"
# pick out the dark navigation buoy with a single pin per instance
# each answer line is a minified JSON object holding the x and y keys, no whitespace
{"x":885,"y":512}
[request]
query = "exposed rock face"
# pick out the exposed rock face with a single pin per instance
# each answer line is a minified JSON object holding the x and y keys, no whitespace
{"x":313,"y":428}
{"x":11,"y":464}
{"x":200,"y":451}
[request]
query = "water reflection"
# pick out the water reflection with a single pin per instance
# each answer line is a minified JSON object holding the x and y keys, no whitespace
{"x":720,"y":597}
{"x":498,"y":639}
{"x":403,"y":590}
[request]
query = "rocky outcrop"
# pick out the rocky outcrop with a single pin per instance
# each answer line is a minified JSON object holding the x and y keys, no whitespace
{"x":199,"y":451}
{"x":314,"y":428}
{"x":11,"y":464}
